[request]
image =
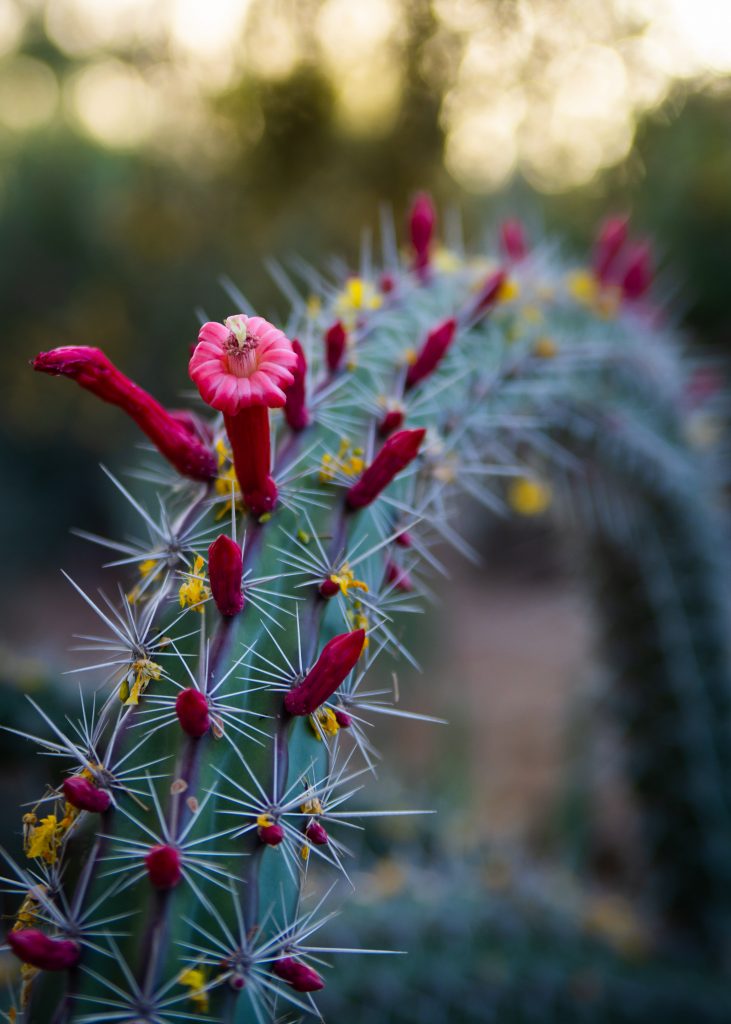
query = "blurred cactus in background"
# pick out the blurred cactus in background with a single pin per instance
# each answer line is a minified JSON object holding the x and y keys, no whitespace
{"x":176,"y":868}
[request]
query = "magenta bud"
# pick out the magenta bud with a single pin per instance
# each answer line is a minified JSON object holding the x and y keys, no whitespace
{"x":36,"y":948}
{"x":335,"y":338}
{"x":489,"y":293}
{"x":90,"y":368}
{"x":317,"y":834}
{"x":343,"y":718}
{"x":403,"y":539}
{"x":432,"y":352}
{"x":637,"y":276}
{"x":610,"y":242}
{"x":295,"y":408}
{"x":395,"y":455}
{"x":301,"y":977}
{"x":392,"y":420}
{"x":336,"y":660}
{"x":398,"y":577}
{"x":225,"y":571}
{"x":271,"y":835}
{"x":191,"y":707}
{"x":387,"y":283}
{"x":512,"y":239}
{"x":329,"y":588}
{"x":164,"y":866}
{"x":82,"y":793}
{"x":422,"y":221}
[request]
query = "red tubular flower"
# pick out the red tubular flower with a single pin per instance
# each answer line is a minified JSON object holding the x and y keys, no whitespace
{"x":36,"y":948}
{"x":271,"y":835}
{"x":317,"y":834}
{"x":395,"y":455}
{"x":422,"y":221}
{"x":335,"y":339}
{"x":610,"y":241}
{"x":512,"y":238}
{"x":191,"y":707}
{"x":301,"y":977}
{"x":225,"y":570}
{"x":637,"y":276}
{"x":82,"y":793}
{"x":432,"y":352}
{"x":241,"y":368}
{"x":398,"y":577}
{"x":295,"y":409}
{"x":343,"y":718}
{"x":90,"y":368}
{"x":337,"y":659}
{"x":163,"y":866}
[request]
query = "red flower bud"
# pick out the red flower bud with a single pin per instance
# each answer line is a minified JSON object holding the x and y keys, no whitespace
{"x":395,"y":455}
{"x":301,"y":977}
{"x":83,"y":794}
{"x":610,"y":241}
{"x":512,"y":237}
{"x":432,"y":352}
{"x":392,"y":420}
{"x":335,"y":338}
{"x":387,"y":283}
{"x":489,"y":293}
{"x":329,"y":588}
{"x":343,"y":718}
{"x":338,"y":657}
{"x":403,"y":539}
{"x":191,"y":707}
{"x":39,"y":950}
{"x":163,"y":866}
{"x":271,"y":835}
{"x":422,"y":221}
{"x":637,"y":276}
{"x":295,"y":408}
{"x":90,"y":368}
{"x":398,"y":577}
{"x":317,"y":834}
{"x":225,"y":571}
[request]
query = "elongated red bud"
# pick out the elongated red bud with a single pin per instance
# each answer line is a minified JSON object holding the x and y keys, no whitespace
{"x":398,"y":577}
{"x":317,"y":834}
{"x":225,"y":570}
{"x":90,"y":368}
{"x":36,"y":948}
{"x":489,"y":293}
{"x":295,"y":409}
{"x":82,"y":793}
{"x":395,"y":455}
{"x":191,"y":707}
{"x":610,"y":242}
{"x":432,"y":352}
{"x":393,"y":419}
{"x":301,"y":977}
{"x":637,"y":276}
{"x":271,"y":835}
{"x":512,"y":239}
{"x":164,"y":866}
{"x":422,"y":221}
{"x":335,"y":339}
{"x":343,"y":718}
{"x":337,"y":659}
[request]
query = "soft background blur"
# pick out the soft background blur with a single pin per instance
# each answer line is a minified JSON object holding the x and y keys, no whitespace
{"x":149,"y":147}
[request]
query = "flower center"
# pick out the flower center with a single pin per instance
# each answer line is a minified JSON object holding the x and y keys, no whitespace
{"x":240,"y":347}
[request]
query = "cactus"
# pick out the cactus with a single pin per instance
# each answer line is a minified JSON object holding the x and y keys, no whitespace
{"x":207,"y":784}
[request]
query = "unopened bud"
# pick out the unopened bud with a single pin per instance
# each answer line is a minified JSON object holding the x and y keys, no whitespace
{"x":637,"y":276}
{"x":225,"y":570}
{"x":301,"y":977}
{"x":610,"y":242}
{"x":317,"y":834}
{"x":512,"y":238}
{"x":395,"y":455}
{"x":163,"y":865}
{"x":82,"y":793}
{"x":422,"y":221}
{"x":335,"y":338}
{"x":191,"y":707}
{"x":36,"y":948}
{"x":337,"y":659}
{"x":295,"y":409}
{"x":432,"y":352}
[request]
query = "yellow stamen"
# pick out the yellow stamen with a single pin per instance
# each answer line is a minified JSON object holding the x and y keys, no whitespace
{"x":323,"y":721}
{"x":194,"y":591}
{"x":44,"y":839}
{"x":348,"y":461}
{"x":305,"y":852}
{"x":345,"y":579}
{"x":194,"y":979}
{"x":311,"y":806}
{"x":358,"y":296}
{"x":138,"y":677}
{"x":528,"y":497}
{"x":582,"y":286}
{"x":508,"y":290}
{"x":264,"y":821}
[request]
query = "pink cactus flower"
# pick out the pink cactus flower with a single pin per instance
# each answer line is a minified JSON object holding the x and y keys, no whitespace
{"x":36,"y":948}
{"x":241,"y":367}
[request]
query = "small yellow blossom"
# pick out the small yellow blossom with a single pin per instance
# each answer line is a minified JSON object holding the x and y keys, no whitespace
{"x":345,"y":579}
{"x":582,"y":286}
{"x":194,"y":979}
{"x":264,"y":821}
{"x":29,"y":908}
{"x":528,"y":497}
{"x":194,"y":591}
{"x":348,"y":461}
{"x":324,"y":721}
{"x":509,"y":290}
{"x":311,"y":806}
{"x":358,"y":296}
{"x":137,"y":679}
{"x":545,"y":348}
{"x":305,"y":852}
{"x":44,"y":839}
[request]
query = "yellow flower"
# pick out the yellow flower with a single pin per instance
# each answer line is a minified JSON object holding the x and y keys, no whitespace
{"x":323,"y":721}
{"x":264,"y":821}
{"x":358,"y":296}
{"x":348,"y":462}
{"x":44,"y":839}
{"x":194,"y":979}
{"x":311,"y":806}
{"x":582,"y":286}
{"x":528,"y":497}
{"x":139,"y":674}
{"x":508,"y":291}
{"x":345,"y":579}
{"x":194,"y":591}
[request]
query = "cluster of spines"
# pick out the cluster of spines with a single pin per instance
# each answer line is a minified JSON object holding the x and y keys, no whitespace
{"x":440,"y":366}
